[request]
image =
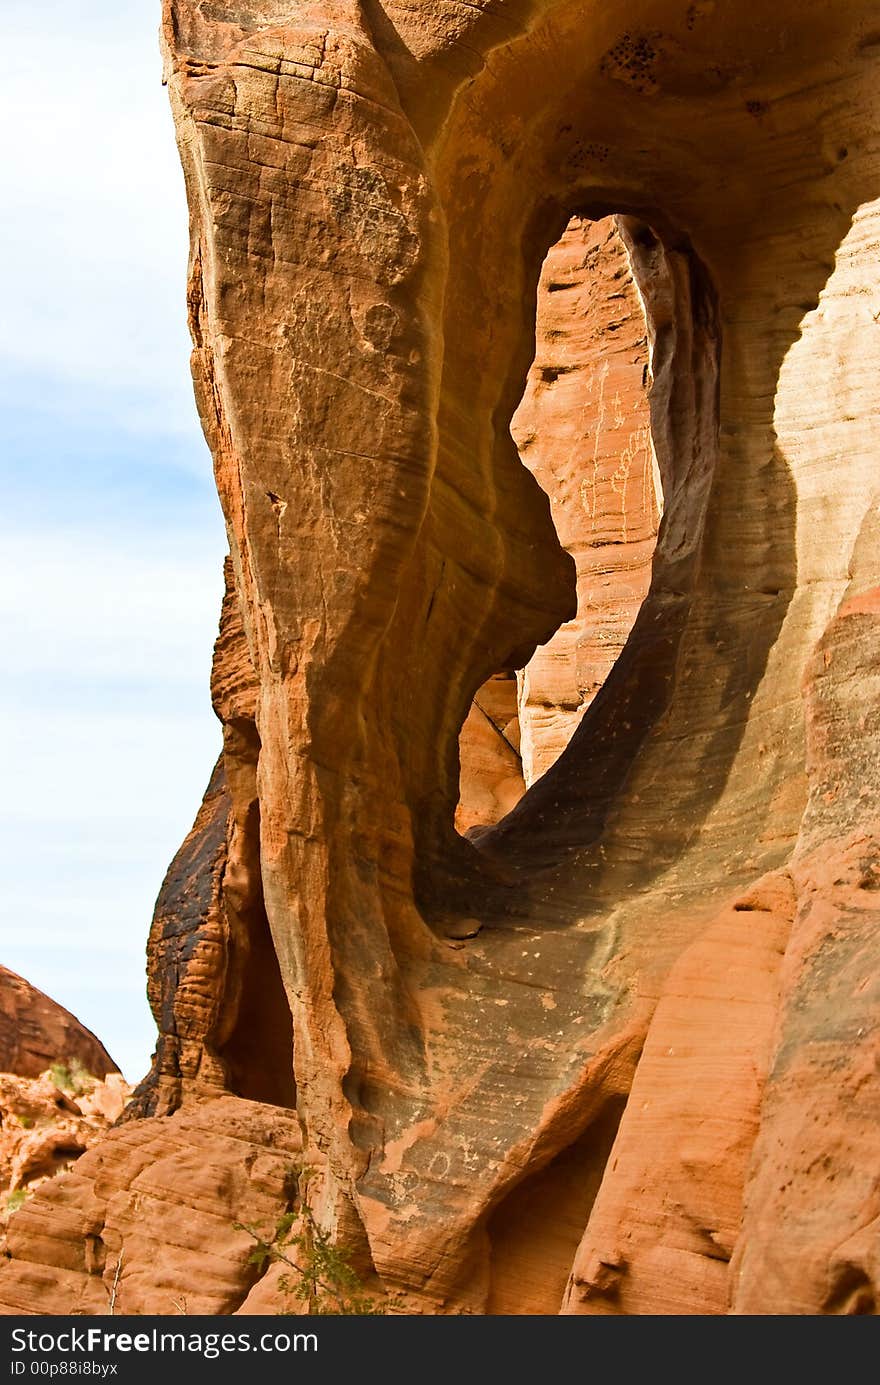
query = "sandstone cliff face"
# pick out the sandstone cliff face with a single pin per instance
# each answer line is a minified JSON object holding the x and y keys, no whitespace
{"x":491,"y":780}
{"x":52,"y":1105}
{"x":36,"y":1032}
{"x":159,"y":1198}
{"x":47,"y":1122}
{"x":214,"y":984}
{"x":486,"y":1032}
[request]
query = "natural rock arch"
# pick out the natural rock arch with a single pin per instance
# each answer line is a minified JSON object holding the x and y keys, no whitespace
{"x":372,"y":193}
{"x":583,"y":429}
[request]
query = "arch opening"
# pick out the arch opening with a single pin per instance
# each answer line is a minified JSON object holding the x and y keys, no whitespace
{"x":583,"y":429}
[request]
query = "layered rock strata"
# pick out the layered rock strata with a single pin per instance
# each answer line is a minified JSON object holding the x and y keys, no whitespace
{"x":214,"y":984}
{"x":154,"y":1214}
{"x":47,"y":1123}
{"x":482,"y":1028}
{"x":583,"y":429}
{"x":60,"y":1091}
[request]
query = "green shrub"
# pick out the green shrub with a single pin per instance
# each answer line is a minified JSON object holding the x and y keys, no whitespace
{"x":324,"y":1283}
{"x":72,"y":1078}
{"x":61,"y":1076}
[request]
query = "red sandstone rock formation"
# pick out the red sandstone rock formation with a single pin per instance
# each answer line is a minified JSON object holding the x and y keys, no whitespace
{"x":36,"y":1031}
{"x":491,"y":778}
{"x":47,"y":1122}
{"x":52,"y":1105}
{"x":163,"y":1194}
{"x":811,"y":1218}
{"x":583,"y":430}
{"x":214,"y":984}
{"x":670,"y":936}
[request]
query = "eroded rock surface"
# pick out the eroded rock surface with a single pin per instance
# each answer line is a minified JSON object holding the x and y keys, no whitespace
{"x":583,"y":430}
{"x":481,"y":1029}
{"x":36,"y":1031}
{"x":53,"y":1106}
{"x":163,"y":1196}
{"x":492,"y":779}
{"x":214,"y":984}
{"x":47,"y":1122}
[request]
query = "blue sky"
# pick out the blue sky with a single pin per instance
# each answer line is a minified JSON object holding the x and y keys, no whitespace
{"x":111,"y":538}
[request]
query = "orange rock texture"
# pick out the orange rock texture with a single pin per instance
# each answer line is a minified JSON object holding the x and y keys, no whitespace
{"x":583,"y":429}
{"x":36,"y":1032}
{"x":52,"y":1105}
{"x":616,"y":1050}
{"x":160,"y":1199}
{"x":47,"y":1122}
{"x":214,"y":984}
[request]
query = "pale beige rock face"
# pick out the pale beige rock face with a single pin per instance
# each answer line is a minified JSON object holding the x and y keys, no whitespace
{"x":809,"y":1241}
{"x":668,"y":1214}
{"x":372,"y":196}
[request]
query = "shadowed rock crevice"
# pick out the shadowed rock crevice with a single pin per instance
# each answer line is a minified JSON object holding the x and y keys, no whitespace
{"x":534,"y":1233}
{"x":215,"y":986}
{"x":254,"y":1036}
